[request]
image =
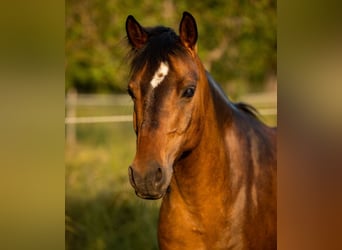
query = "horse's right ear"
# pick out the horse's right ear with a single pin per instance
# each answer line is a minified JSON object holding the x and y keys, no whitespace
{"x":137,"y":36}
{"x":188,"y":31}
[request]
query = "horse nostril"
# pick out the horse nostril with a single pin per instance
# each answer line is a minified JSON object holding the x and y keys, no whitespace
{"x":131,"y":176}
{"x":159,"y":176}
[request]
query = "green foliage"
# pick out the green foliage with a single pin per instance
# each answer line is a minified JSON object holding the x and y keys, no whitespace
{"x":102,"y":211}
{"x":237,"y":39}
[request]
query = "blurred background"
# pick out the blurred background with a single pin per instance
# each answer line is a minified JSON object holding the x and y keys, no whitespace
{"x":237,"y":44}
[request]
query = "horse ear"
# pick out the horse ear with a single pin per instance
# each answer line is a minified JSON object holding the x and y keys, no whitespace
{"x":137,"y":35}
{"x":188,"y":31}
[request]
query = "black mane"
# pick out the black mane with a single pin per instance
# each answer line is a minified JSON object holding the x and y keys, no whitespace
{"x":248,"y":109}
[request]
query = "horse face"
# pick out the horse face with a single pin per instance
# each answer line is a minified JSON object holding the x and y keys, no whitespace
{"x":166,"y":123}
{"x":165,"y":94}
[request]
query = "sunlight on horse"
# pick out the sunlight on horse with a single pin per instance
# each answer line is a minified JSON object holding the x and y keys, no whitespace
{"x":211,"y":160}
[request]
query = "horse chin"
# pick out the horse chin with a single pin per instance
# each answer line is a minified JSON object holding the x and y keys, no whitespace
{"x":154,"y":196}
{"x":150,"y":196}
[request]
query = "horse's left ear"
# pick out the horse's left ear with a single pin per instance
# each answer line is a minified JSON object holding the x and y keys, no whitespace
{"x":188,"y":31}
{"x":136,"y":34}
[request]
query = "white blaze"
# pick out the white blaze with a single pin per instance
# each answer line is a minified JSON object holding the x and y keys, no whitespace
{"x":160,"y":74}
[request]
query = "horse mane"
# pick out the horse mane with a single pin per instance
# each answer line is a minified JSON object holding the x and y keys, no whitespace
{"x":162,"y":42}
{"x":247,"y":108}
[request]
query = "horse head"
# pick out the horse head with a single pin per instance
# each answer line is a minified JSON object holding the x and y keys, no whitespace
{"x":166,"y":86}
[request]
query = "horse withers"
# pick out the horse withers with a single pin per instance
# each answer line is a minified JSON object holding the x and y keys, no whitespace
{"x":211,"y":160}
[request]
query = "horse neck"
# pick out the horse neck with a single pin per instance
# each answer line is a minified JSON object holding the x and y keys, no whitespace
{"x":204,"y":171}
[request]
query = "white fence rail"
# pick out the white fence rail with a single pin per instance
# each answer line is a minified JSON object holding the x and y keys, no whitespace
{"x":99,"y":119}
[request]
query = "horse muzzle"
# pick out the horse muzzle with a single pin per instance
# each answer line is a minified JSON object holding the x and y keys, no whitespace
{"x":151,"y":184}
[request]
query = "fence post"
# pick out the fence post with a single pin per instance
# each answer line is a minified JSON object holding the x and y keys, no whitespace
{"x":71,"y":103}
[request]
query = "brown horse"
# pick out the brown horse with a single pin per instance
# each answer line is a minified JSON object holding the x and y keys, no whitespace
{"x":212,"y":161}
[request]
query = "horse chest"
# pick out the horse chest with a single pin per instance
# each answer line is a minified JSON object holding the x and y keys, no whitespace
{"x":181,"y":229}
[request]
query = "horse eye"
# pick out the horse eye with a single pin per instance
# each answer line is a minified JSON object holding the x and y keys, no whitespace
{"x":189,"y":92}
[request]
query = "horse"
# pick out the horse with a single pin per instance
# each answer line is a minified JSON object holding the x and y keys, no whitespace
{"x":211,"y":160}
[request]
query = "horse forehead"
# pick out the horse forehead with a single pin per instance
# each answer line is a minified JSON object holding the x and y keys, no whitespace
{"x":151,"y":75}
{"x":160,"y":74}
{"x":183,"y":65}
{"x":180,"y":69}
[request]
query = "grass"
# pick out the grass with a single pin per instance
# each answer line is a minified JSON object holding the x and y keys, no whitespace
{"x":102,"y":210}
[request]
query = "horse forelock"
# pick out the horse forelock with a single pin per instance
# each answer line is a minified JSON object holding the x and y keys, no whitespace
{"x":162,"y":42}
